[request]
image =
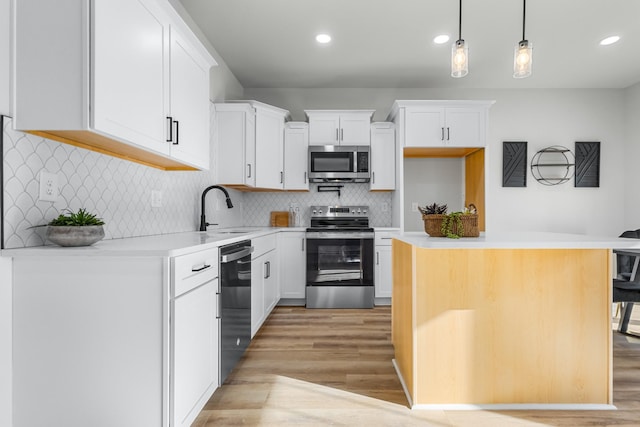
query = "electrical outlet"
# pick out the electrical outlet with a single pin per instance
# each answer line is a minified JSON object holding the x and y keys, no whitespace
{"x":156,"y":198}
{"x":414,"y":206}
{"x":49,"y":190}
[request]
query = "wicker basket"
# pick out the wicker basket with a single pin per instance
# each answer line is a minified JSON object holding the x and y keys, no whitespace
{"x":433,"y":225}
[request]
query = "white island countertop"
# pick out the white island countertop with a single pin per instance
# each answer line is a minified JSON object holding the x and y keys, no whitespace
{"x":519,"y":240}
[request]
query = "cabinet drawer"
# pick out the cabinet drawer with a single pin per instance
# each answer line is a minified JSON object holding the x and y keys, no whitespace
{"x":262,"y":245}
{"x":190,"y":271}
{"x":383,"y":238}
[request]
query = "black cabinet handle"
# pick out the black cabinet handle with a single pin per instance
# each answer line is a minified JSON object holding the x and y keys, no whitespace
{"x":447,"y":134}
{"x":177,"y":132}
{"x":204,"y":267}
{"x":170,"y":133}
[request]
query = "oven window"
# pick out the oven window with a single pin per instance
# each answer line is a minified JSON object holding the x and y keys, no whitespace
{"x":331,"y":162}
{"x":339,"y":262}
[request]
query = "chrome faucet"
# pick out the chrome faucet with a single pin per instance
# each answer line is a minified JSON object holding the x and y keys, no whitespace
{"x":203,"y":219}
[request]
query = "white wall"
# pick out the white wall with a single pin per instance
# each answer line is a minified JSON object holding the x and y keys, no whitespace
{"x":632,"y":158}
{"x":5,"y":63}
{"x":428,"y":181}
{"x":5,"y":265}
{"x":541,"y":117}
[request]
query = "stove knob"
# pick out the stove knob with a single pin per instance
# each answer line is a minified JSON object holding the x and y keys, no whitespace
{"x":320,"y":211}
{"x":358,"y":210}
{"x":314,"y":212}
{"x":364,"y":211}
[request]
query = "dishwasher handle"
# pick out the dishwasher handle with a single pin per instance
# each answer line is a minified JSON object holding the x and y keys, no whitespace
{"x":234,"y":256}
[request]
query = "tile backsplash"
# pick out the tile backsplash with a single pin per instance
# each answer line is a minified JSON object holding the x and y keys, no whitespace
{"x":119,"y":192}
{"x":259,"y":205}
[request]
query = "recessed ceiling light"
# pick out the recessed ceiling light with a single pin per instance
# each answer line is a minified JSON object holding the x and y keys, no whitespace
{"x":323,"y":38}
{"x":442,"y":38}
{"x":609,"y":40}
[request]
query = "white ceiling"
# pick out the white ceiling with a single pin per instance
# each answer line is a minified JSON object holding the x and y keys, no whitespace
{"x":376,"y":44}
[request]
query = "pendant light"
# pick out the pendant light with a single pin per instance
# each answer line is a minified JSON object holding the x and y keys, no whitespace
{"x":459,"y":52}
{"x":523,"y":55}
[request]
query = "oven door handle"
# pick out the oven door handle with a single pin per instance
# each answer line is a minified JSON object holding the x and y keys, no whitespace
{"x":339,"y":235}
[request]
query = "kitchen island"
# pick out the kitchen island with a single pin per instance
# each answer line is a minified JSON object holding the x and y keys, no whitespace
{"x":504,"y":321}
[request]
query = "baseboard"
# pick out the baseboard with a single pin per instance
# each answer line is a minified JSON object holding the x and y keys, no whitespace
{"x":515,"y":407}
{"x":404,"y":385}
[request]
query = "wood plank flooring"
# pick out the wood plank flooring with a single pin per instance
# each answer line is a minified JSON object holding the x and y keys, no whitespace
{"x":333,"y":367}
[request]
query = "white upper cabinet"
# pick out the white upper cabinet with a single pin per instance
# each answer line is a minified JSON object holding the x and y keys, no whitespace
{"x":339,"y":127}
{"x":234,"y":138}
{"x":296,"y":153}
{"x":189,"y":103}
{"x":383,"y":156}
{"x":249,"y":137}
{"x":122,"y":77}
{"x":441,"y":123}
{"x":137,"y":37}
{"x":269,"y":146}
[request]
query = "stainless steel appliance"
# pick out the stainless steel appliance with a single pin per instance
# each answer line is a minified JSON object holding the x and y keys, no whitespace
{"x":234,"y":301}
{"x":340,"y":261}
{"x":339,"y":163}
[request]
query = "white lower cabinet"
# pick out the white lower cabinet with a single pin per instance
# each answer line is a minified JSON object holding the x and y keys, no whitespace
{"x":194,"y":334}
{"x":383,"y":269}
{"x":264,"y":280}
{"x":95,"y":332}
{"x":293,"y":272}
{"x":136,"y":335}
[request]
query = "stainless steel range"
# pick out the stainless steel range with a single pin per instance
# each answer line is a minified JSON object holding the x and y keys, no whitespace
{"x":340,"y":252}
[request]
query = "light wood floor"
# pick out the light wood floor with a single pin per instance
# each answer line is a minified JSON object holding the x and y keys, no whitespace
{"x":333,"y":367}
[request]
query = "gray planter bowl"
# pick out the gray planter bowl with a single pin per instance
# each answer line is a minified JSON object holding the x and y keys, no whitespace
{"x":85,"y":235}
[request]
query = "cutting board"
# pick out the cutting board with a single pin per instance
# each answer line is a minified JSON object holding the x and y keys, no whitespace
{"x":279,"y":218}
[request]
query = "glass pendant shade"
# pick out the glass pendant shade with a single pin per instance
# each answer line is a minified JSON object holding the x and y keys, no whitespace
{"x":459,"y":59}
{"x":522,"y":59}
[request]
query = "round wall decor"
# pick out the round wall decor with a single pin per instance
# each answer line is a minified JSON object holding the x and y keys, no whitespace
{"x":553,"y":165}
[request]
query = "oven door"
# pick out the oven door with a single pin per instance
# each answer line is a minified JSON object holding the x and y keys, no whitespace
{"x":340,"y":258}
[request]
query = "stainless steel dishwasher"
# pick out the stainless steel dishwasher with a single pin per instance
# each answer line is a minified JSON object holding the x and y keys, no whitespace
{"x":234,"y":299}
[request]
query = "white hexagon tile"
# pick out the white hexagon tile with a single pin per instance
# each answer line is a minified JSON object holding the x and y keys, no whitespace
{"x":119,"y":192}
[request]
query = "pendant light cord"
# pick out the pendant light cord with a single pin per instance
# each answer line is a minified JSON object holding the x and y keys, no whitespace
{"x":460,"y":22}
{"x":524,"y":12}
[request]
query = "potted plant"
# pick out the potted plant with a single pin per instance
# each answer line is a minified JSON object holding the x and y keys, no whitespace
{"x":461,"y":224}
{"x":433,"y":215}
{"x":75,"y":229}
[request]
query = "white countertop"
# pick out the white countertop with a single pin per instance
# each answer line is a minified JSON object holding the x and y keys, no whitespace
{"x":173,"y":244}
{"x":519,"y":240}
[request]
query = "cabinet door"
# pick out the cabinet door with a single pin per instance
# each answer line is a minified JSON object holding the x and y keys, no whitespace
{"x":269,"y":147}
{"x":130,"y":47}
{"x":424,"y":127}
{"x":296,"y":152}
{"x":383,"y":276}
{"x":195,"y":352}
{"x":324,"y":129}
{"x":235,"y":141}
{"x":258,"y":271}
{"x":189,"y":96}
{"x":383,"y":158}
{"x":271,"y":288}
{"x":355,"y":129}
{"x":292,"y":258}
{"x":465,"y":127}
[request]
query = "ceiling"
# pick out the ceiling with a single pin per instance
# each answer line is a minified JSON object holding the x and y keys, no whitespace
{"x":384,"y":44}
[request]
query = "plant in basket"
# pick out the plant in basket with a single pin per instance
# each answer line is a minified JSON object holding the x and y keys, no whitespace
{"x":461,"y":224}
{"x":433,"y":215}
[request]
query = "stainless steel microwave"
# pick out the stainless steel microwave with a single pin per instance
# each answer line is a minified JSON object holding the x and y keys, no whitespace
{"x":339,"y":163}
